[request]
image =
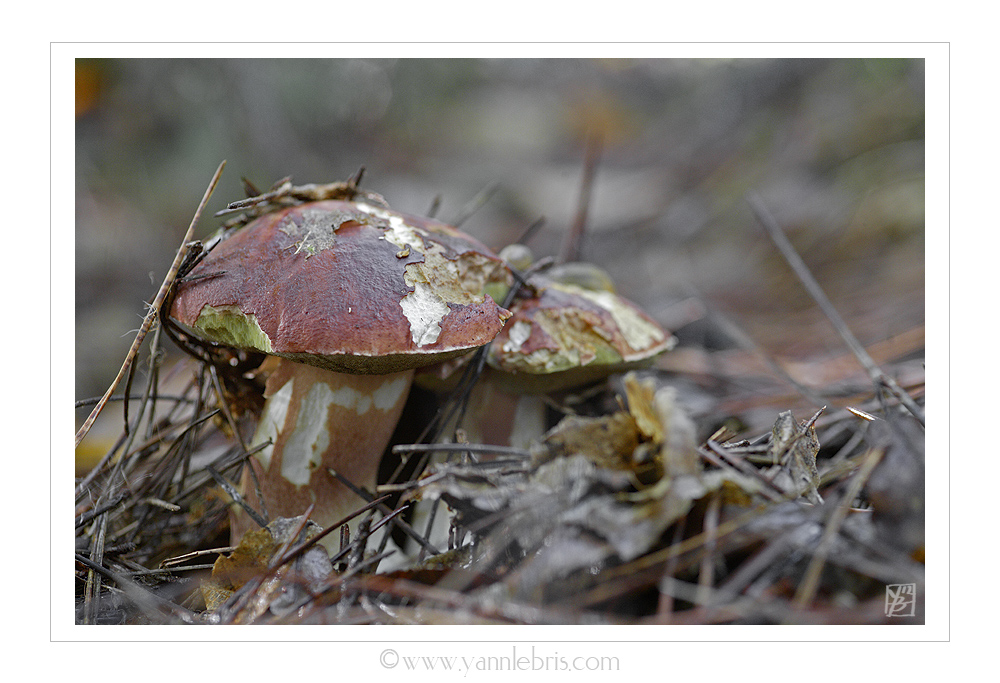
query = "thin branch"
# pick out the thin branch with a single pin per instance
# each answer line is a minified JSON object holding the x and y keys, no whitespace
{"x":810,"y":582}
{"x":474,"y":204}
{"x":572,"y":244}
{"x":84,"y":402}
{"x":231,"y":491}
{"x":147,"y":601}
{"x":154,"y":308}
{"x":386,"y":510}
{"x":460,"y":447}
{"x":878,"y":377}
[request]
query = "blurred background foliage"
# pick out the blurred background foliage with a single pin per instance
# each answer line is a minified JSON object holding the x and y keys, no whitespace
{"x":834,"y":148}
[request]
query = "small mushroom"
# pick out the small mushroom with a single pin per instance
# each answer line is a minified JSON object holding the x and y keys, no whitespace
{"x":349,"y":298}
{"x":565,"y":335}
{"x":561,"y":336}
{"x":568,"y":328}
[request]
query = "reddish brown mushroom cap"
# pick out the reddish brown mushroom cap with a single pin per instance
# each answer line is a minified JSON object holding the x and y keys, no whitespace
{"x":567,"y":335}
{"x":346,"y":286}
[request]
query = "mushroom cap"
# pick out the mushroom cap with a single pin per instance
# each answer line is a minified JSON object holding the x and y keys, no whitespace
{"x":350,"y":287}
{"x":567,"y":335}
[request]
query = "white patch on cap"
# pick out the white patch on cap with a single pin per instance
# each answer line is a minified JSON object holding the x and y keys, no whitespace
{"x":424,"y":310}
{"x":399,"y":233}
{"x":639,"y":333}
{"x":519,"y":333}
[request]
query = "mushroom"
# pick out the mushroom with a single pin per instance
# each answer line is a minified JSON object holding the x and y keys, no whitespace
{"x":571,"y":329}
{"x":565,"y":335}
{"x":568,"y":328}
{"x":349,"y":298}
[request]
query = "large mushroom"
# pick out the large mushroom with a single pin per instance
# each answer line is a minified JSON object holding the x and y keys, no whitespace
{"x":350,"y":298}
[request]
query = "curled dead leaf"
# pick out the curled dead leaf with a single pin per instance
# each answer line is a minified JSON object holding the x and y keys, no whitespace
{"x":253,"y":557}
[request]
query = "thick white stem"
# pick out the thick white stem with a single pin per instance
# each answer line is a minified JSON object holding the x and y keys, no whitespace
{"x":319,"y":420}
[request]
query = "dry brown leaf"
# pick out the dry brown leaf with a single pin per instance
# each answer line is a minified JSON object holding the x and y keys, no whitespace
{"x":608,"y":441}
{"x":253,"y":556}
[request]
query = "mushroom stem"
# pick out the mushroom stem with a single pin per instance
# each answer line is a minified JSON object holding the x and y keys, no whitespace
{"x":318,"y":420}
{"x":502,"y":418}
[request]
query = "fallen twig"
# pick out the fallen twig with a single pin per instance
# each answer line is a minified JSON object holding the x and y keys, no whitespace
{"x":878,"y":377}
{"x":153,"y":311}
